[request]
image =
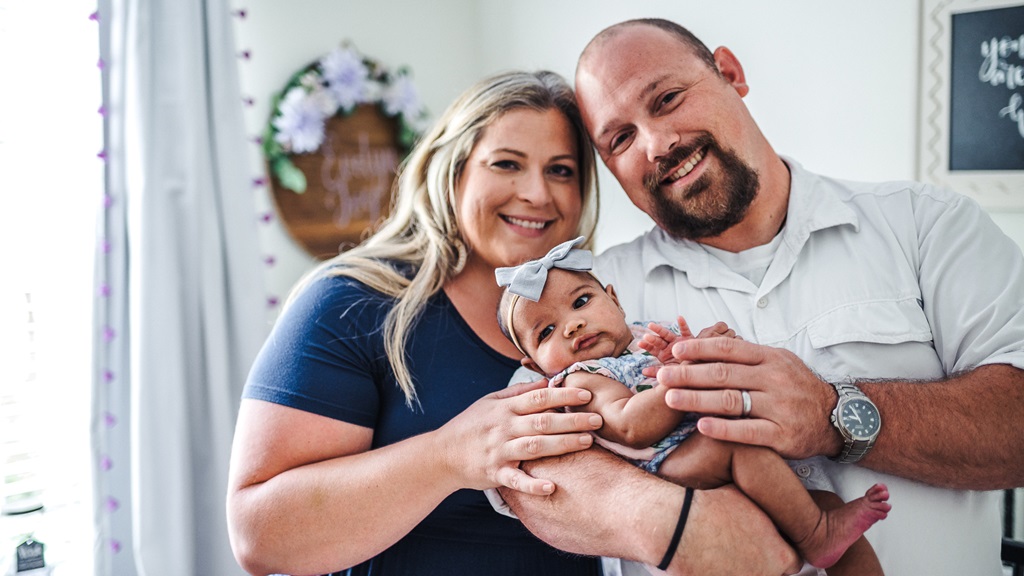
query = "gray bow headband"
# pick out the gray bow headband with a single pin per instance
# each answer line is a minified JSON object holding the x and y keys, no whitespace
{"x":527,"y":280}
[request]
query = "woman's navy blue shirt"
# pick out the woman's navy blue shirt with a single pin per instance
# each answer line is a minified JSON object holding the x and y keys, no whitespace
{"x":326,"y":356}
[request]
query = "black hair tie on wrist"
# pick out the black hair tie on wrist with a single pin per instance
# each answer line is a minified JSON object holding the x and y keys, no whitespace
{"x":674,"y":543}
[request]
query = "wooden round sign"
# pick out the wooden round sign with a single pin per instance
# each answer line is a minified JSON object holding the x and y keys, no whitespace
{"x":348,"y":182}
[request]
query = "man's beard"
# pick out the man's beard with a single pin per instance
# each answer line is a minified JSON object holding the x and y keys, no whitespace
{"x":709,"y":214}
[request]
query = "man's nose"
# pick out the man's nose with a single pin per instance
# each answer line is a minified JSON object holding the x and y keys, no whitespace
{"x":658,"y":141}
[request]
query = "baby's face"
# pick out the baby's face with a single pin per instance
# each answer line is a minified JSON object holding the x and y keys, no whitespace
{"x":574,"y":320}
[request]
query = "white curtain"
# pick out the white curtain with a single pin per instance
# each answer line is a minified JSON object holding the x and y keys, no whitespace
{"x":184,"y":309}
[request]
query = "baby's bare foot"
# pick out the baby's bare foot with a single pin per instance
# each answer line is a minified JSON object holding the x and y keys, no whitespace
{"x":841,"y":527}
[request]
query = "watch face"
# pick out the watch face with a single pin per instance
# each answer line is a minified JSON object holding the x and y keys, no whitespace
{"x":860,"y":418}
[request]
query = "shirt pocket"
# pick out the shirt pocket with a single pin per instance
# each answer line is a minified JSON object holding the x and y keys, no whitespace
{"x":873,"y":339}
{"x":877,"y":322}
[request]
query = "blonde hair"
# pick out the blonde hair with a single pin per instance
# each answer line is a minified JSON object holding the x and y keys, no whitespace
{"x":421,"y":236}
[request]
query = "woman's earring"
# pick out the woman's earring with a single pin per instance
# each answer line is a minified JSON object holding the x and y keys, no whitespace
{"x":461,"y":252}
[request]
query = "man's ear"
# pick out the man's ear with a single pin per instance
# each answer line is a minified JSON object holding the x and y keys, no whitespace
{"x":731,"y":70}
{"x":529,"y":364}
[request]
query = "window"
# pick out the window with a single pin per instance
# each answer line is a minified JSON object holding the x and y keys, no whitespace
{"x":52,"y":182}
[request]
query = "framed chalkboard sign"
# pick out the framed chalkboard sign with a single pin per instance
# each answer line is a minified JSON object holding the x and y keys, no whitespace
{"x":972,"y":99}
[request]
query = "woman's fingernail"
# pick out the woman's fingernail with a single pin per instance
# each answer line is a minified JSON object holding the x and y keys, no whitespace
{"x":594,"y":420}
{"x":584,"y":395}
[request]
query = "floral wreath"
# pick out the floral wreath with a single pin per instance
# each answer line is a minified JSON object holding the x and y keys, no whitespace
{"x":333,"y":86}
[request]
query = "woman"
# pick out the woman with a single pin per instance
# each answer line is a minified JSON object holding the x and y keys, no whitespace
{"x":377,"y":410}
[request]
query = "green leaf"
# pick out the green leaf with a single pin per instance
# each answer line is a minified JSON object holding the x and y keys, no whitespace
{"x":407,"y":136}
{"x":290,"y":177}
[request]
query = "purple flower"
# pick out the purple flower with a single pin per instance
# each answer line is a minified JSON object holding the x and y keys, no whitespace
{"x":401,"y":98}
{"x":346,"y":76}
{"x":300,"y":125}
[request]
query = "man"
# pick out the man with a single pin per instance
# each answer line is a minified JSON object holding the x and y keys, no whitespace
{"x":900,"y":300}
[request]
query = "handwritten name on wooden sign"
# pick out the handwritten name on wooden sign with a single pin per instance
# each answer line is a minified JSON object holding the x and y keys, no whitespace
{"x":373,"y":167}
{"x":349,"y":178}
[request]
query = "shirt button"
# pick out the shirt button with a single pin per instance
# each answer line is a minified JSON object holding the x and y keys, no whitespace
{"x":803,"y":470}
{"x":762,"y":302}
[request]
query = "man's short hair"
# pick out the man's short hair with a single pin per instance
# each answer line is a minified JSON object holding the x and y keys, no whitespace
{"x":685,"y":36}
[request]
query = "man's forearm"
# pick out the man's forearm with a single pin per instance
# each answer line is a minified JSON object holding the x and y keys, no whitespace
{"x":603,"y":506}
{"x":956,"y":433}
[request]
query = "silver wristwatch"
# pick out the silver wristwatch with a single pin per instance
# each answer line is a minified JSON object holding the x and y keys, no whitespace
{"x":857,"y":419}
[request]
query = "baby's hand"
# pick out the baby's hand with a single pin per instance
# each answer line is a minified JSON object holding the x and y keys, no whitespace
{"x":719,"y":329}
{"x":658,"y":340}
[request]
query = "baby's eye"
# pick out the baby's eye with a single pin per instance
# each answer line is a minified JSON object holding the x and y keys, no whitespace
{"x":581,"y":301}
{"x":545,"y":332}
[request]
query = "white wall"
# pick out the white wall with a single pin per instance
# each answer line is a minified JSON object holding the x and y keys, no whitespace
{"x":833,"y":85}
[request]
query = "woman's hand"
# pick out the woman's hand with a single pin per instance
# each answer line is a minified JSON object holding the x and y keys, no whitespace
{"x":485,"y":444}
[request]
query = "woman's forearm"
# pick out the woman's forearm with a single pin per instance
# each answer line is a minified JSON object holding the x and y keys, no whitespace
{"x":307,"y":495}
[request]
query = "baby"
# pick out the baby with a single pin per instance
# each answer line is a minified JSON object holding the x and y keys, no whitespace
{"x":572,"y":330}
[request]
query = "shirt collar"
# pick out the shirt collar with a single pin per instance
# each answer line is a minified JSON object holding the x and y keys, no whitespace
{"x":814,"y":204}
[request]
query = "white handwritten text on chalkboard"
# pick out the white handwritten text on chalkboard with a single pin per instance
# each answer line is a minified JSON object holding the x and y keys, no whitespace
{"x":996,"y":70}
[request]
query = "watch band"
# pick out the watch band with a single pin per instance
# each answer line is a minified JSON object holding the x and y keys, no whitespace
{"x":853,"y":449}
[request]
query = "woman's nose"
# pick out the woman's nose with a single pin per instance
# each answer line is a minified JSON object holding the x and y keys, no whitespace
{"x":535,"y":189}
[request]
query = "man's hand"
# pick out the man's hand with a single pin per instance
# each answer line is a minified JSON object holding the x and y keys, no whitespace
{"x":790,"y":406}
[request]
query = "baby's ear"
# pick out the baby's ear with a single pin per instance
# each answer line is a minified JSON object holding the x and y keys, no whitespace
{"x":529,"y":364}
{"x":610,"y":290}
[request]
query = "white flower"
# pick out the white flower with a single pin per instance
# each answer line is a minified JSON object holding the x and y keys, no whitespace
{"x":310,"y":81}
{"x":345,"y":74}
{"x":300,"y":125}
{"x":401,"y":98}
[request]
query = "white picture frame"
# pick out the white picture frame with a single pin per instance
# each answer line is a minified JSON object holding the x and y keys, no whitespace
{"x":995,"y":190}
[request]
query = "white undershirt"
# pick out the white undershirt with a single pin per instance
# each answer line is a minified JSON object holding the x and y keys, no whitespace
{"x":753,"y":263}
